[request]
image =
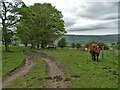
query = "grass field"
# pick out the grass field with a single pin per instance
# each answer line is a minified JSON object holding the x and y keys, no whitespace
{"x":83,"y":72}
{"x":34,"y":78}
{"x":11,"y":60}
{"x":0,"y":60}
{"x":78,"y":66}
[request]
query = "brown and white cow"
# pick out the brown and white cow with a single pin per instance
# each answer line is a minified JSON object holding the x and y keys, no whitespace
{"x":94,"y":50}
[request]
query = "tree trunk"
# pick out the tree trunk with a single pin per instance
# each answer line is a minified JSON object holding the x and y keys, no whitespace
{"x":5,"y":38}
{"x":43,"y":45}
{"x":31,"y":46}
{"x":4,"y":29}
{"x":6,"y":46}
{"x":26,"y":44}
{"x":38,"y":46}
{"x":62,"y":47}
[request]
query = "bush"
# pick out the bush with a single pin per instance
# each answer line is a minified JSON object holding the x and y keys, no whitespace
{"x":62,"y":43}
{"x":78,"y":45}
{"x":73,"y":45}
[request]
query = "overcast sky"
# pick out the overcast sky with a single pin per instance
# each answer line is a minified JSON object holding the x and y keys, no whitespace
{"x":86,"y":18}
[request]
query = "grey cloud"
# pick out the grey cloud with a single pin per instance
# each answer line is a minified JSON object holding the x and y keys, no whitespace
{"x":69,"y":21}
{"x":107,"y":12}
{"x":97,"y":26}
{"x":110,"y":17}
{"x":97,"y":10}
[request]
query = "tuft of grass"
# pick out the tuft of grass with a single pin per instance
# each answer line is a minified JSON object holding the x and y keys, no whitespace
{"x":34,"y":78}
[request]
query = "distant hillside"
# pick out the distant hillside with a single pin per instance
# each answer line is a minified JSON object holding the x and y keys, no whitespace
{"x":83,"y":39}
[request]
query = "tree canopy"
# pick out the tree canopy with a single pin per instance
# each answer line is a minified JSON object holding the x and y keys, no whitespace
{"x":40,"y":24}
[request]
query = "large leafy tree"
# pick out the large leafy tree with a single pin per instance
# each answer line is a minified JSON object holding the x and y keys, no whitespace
{"x":9,"y":16}
{"x":49,"y":23}
{"x":43,"y":25}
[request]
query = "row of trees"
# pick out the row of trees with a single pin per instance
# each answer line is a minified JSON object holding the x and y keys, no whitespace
{"x":62,"y":43}
{"x":38,"y":25}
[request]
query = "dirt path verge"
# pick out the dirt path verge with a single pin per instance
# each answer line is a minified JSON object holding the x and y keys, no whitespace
{"x":19,"y":71}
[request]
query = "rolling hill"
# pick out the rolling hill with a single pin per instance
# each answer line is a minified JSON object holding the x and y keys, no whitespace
{"x":83,"y":39}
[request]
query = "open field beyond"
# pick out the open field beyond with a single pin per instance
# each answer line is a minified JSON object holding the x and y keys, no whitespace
{"x":77,"y":65}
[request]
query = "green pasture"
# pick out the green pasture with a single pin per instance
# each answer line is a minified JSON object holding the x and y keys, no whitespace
{"x":0,"y":60}
{"x":78,"y":66}
{"x":84,"y":73}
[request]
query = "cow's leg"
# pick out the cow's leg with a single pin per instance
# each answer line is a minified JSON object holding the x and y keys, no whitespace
{"x":93,"y":57}
{"x":97,"y":56}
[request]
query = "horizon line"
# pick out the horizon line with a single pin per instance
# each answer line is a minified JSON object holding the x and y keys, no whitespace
{"x":93,"y":34}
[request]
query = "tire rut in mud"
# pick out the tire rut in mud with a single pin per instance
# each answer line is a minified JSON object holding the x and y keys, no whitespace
{"x":57,"y":77}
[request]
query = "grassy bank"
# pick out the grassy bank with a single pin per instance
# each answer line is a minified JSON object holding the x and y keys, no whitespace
{"x":83,"y":72}
{"x":11,"y":60}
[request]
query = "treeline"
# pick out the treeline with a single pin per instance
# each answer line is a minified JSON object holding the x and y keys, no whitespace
{"x":39,"y":25}
{"x":62,"y":43}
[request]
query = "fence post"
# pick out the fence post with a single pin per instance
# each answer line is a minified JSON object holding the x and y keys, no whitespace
{"x":88,"y":53}
{"x":113,"y":55}
{"x":102,"y":52}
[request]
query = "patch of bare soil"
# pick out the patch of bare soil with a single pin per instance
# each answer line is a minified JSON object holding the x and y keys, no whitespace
{"x":19,"y":71}
{"x":57,"y":78}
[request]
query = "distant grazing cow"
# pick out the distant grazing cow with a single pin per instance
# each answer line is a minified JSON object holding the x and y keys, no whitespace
{"x":85,"y":49}
{"x":51,"y":47}
{"x":94,"y":50}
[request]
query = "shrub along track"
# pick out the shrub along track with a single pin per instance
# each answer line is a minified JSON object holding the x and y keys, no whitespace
{"x":55,"y":71}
